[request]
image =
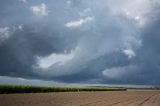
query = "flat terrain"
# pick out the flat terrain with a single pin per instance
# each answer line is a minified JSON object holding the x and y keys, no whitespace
{"x":106,"y":98}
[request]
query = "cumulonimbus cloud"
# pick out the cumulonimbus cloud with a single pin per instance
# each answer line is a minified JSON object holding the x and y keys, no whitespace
{"x":83,"y":41}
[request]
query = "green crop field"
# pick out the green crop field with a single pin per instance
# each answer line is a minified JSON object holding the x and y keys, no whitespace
{"x":5,"y":89}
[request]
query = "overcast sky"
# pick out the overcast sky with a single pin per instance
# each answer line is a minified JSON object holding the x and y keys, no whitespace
{"x":50,"y":42}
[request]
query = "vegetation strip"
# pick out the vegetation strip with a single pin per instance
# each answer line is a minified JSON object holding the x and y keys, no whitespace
{"x":6,"y":89}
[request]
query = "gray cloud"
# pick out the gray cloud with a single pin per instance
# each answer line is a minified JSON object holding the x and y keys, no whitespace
{"x":81,"y":41}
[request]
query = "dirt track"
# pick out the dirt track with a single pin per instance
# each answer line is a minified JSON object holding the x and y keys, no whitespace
{"x":110,"y":98}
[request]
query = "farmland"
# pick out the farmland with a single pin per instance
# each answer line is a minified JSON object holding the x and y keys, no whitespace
{"x":103,"y":98}
{"x":6,"y":89}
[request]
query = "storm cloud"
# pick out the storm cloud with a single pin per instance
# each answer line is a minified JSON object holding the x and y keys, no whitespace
{"x":87,"y":41}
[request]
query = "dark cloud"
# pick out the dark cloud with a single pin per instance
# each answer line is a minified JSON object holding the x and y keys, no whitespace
{"x":102,"y":44}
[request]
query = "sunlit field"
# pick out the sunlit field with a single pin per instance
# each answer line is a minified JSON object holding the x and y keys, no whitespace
{"x":83,"y":98}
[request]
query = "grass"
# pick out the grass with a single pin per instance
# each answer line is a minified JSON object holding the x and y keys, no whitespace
{"x":6,"y":89}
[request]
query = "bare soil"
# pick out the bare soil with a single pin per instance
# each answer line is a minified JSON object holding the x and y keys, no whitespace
{"x":108,"y":98}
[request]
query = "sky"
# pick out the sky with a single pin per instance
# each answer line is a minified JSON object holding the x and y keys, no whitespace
{"x":60,"y":42}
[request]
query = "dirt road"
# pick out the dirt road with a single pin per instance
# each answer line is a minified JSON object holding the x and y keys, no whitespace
{"x":109,"y":98}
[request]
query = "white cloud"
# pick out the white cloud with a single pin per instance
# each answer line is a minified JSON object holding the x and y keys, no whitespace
{"x":119,"y":72}
{"x":129,"y":53}
{"x":4,"y":33}
{"x":69,"y":2}
{"x":137,"y":11}
{"x":40,"y":10}
{"x":79,"y":23}
{"x":139,"y":19}
{"x":20,"y":27}
{"x":60,"y":59}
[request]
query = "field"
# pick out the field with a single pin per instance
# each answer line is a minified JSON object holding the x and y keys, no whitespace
{"x":103,"y":98}
{"x":6,"y":89}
